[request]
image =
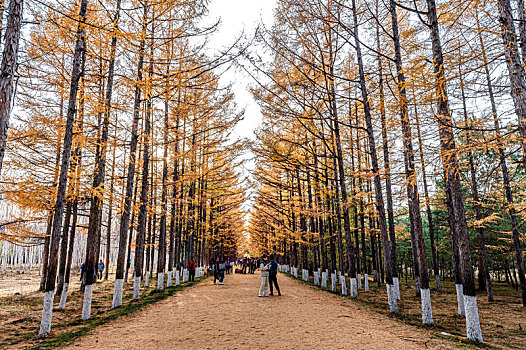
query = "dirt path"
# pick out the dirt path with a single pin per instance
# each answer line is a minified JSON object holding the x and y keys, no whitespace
{"x":231,"y":316}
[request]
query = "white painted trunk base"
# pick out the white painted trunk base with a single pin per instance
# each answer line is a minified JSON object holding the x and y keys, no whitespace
{"x":333,"y":282}
{"x":366,"y":282}
{"x":324,"y":279}
{"x":359,"y":281}
{"x":427,"y":312}
{"x":391,"y":299}
{"x":160,"y":280}
{"x":354,"y":288}
{"x":396,"y":285}
{"x":316,"y":278}
{"x":136,"y":287}
{"x":169,"y":279}
{"x":473,"y":330}
{"x":117,"y":293}
{"x":63,"y":297}
{"x":343,"y":282}
{"x":86,"y":304}
{"x":460,"y":299}
{"x":147,"y":279}
{"x":47,"y":313}
{"x":177,"y":278}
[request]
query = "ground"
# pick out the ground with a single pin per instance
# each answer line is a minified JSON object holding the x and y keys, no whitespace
{"x":232,"y":316}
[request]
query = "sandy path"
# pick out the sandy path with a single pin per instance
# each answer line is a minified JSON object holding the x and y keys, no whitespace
{"x":231,"y":316}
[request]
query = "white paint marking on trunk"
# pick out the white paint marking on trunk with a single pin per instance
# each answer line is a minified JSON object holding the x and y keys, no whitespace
{"x":63,"y":297}
{"x":86,"y":304}
{"x":366,"y":280}
{"x":47,"y":313}
{"x":169,"y":279}
{"x":117,"y":293}
{"x":391,"y":299}
{"x":160,"y":280}
{"x":473,"y":330}
{"x":354,"y":288}
{"x":460,"y":299}
{"x":359,"y":281}
{"x":396,"y":285}
{"x":136,"y":287}
{"x":427,"y":312}
{"x":343,"y":282}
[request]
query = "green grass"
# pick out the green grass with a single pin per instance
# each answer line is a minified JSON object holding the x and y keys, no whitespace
{"x":147,"y":298}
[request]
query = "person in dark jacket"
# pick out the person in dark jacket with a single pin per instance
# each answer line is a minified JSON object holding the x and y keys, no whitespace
{"x":273,"y":276}
{"x":219,"y":271}
{"x":191,"y":269}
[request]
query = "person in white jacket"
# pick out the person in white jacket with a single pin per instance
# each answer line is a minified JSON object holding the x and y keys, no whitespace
{"x":264,"y":268}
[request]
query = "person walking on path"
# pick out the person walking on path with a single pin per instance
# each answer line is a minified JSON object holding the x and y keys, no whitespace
{"x":264,"y":268}
{"x":219,"y":273}
{"x":273,"y":276}
{"x":191,"y":269}
{"x":100,"y":269}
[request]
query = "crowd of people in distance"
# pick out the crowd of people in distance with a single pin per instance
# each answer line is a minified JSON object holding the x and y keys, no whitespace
{"x":219,"y":267}
{"x":247,"y":265}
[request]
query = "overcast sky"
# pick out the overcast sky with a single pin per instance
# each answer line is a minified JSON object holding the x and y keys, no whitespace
{"x":238,"y":16}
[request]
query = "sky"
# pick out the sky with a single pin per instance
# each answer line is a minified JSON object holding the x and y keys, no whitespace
{"x":237,"y":17}
{"x":240,"y":16}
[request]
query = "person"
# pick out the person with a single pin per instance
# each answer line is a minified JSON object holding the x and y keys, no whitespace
{"x":100,"y":269}
{"x":273,"y":276}
{"x":264,"y":268}
{"x":191,"y":269}
{"x":245,"y":265}
{"x":218,"y":272}
{"x":81,"y":271}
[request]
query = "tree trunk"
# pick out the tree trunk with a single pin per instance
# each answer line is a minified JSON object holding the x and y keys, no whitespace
{"x":518,"y":92}
{"x":47,"y":310}
{"x":516,"y":71}
{"x":411,"y":179}
{"x":387,"y":169}
{"x":8,"y":68}
{"x":375,"y":168}
{"x":430,"y":223}
{"x":125,"y":216}
{"x":451,"y":168}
